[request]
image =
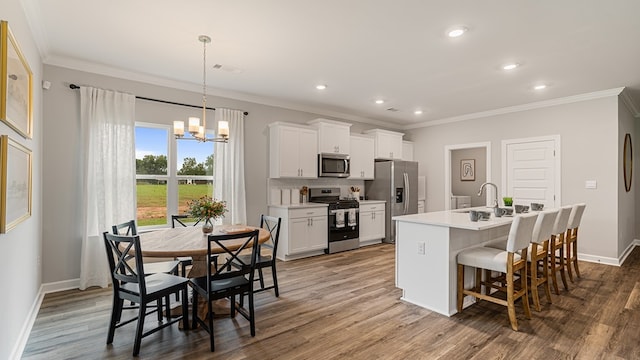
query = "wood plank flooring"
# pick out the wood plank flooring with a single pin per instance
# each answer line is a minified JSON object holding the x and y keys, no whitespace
{"x":346,"y":306}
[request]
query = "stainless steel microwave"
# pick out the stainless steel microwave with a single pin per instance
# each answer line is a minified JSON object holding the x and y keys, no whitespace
{"x":333,"y":165}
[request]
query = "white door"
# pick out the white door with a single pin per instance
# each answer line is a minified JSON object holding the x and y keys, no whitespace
{"x":532,"y":171}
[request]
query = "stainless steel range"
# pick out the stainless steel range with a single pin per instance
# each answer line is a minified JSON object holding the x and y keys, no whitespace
{"x":344,"y":219}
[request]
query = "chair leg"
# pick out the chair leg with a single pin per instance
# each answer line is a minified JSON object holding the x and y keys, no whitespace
{"x":534,"y":284}
{"x":567,"y":260}
{"x":116,"y":312}
{"x":159,"y":308}
{"x":510,"y":302}
{"x":142,"y":310}
{"x":552,"y":266}
{"x":575,"y":257}
{"x":275,"y":279}
{"x":261,"y":278}
{"x":210,"y":324}
{"x":252,"y":318}
{"x":233,"y":306}
{"x":563,"y":272}
{"x":460,"y":286}
{"x":185,"y":307}
{"x":545,"y":275}
{"x":525,"y":295}
{"x":194,"y":310}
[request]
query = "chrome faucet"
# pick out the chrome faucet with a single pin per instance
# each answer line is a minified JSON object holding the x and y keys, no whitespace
{"x":495,"y":201}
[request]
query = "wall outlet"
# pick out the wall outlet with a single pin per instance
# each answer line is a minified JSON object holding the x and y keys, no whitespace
{"x":421,"y":248}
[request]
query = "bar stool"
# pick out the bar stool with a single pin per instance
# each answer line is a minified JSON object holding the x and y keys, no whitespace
{"x":538,"y":255}
{"x":504,"y":261}
{"x":571,"y":240}
{"x":556,"y":248}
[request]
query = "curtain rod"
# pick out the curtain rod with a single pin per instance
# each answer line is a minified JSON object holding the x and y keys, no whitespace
{"x":75,"y":87}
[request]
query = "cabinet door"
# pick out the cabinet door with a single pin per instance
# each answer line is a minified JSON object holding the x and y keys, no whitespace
{"x":407,"y":151}
{"x":317,"y":236}
{"x":362,"y":158}
{"x":287,"y":151}
{"x":389,"y":146}
{"x":308,"y":153}
{"x":378,"y":224}
{"x":367,"y":226}
{"x":334,"y":138}
{"x":298,"y":230}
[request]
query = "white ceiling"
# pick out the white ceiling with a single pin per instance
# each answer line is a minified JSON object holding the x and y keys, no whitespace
{"x":362,"y":49}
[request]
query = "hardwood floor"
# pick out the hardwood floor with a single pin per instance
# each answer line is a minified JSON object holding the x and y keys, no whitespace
{"x":345,"y":306}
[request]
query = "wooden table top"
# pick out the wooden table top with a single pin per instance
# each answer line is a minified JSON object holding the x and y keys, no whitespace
{"x":189,"y":241}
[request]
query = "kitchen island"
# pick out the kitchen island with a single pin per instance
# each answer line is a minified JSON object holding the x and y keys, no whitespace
{"x":426,"y":248}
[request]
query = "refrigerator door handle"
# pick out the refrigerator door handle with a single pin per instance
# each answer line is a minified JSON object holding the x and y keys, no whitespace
{"x":406,"y":193}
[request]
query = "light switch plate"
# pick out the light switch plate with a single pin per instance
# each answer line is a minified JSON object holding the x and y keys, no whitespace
{"x":591,"y":184}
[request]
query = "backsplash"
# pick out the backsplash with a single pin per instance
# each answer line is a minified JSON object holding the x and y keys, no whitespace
{"x":276,"y":187}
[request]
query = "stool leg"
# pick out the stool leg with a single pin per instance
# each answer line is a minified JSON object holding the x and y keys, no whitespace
{"x":562,"y":268}
{"x":552,"y":266}
{"x":534,"y":284}
{"x":525,"y":296}
{"x":510,"y":302}
{"x":545,"y":275}
{"x":575,"y":254}
{"x":460,"y":286}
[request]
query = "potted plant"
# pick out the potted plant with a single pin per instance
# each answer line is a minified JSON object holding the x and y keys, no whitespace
{"x":207,"y":208}
{"x":508,"y":201}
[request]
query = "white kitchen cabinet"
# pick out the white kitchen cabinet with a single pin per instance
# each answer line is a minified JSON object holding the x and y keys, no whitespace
{"x":303,"y":231}
{"x":362,"y":157}
{"x":333,"y":136}
{"x":293,"y":151}
{"x":407,"y":150}
{"x":388,"y":144}
{"x":371,"y":223}
{"x":421,"y":205}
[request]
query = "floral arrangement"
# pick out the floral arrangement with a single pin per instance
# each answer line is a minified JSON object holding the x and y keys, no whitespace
{"x":206,"y":208}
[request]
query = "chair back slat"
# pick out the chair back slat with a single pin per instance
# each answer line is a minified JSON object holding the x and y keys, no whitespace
{"x":119,"y":248}
{"x":271,"y":224}
{"x":127,"y":228}
{"x":543,"y":228}
{"x":223,"y":269}
{"x":179,"y":219}
{"x":576,"y":215}
{"x":521,"y":232}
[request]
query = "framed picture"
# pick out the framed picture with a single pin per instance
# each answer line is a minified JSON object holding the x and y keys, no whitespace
{"x":468,"y":170}
{"x":16,"y":83}
{"x":15,"y":183}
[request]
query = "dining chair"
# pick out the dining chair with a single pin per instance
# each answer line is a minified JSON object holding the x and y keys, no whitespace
{"x":129,"y":229}
{"x":184,"y":260}
{"x":538,"y":255}
{"x":511,"y":261}
{"x":224,"y":281}
{"x":131,"y":283}
{"x":571,"y":240}
{"x":556,"y":249}
{"x":271,"y":224}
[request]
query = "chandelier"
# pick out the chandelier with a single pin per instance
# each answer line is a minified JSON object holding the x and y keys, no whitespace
{"x":197,"y":131}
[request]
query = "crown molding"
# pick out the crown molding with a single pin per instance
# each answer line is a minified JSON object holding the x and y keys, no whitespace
{"x":518,"y":108}
{"x":629,"y":103}
{"x":34,"y":19}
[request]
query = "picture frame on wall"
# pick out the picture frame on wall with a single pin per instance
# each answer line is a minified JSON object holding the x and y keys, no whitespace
{"x":16,"y":163}
{"x":467,"y":170}
{"x":16,"y":85}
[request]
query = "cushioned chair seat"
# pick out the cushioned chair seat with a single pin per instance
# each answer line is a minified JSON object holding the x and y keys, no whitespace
{"x":502,"y":244}
{"x":486,"y":258}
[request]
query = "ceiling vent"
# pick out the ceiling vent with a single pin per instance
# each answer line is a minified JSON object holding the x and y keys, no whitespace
{"x":392,"y":109}
{"x":227,"y":68}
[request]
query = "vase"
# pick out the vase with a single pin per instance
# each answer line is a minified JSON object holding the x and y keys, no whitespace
{"x":207,"y":227}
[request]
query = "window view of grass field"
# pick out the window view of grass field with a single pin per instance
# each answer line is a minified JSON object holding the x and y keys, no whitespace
{"x":193,"y":175}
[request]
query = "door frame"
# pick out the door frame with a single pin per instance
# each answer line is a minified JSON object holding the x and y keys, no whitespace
{"x":557,"y":159}
{"x":447,"y":168}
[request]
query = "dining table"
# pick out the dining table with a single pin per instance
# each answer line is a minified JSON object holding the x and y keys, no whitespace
{"x":191,"y":241}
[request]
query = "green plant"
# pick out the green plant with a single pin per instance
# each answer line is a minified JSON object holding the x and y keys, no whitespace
{"x":206,"y":208}
{"x":508,"y":201}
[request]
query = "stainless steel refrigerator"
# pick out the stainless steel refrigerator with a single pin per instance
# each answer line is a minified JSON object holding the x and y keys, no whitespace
{"x":396,"y":182}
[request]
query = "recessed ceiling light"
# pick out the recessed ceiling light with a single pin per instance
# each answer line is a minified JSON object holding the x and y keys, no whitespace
{"x":321,"y":87}
{"x":379,"y":101}
{"x":540,"y":87}
{"x":510,"y":66}
{"x":458,"y":31}
{"x":418,"y":112}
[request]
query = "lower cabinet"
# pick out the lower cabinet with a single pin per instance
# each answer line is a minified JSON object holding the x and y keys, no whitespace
{"x":371,"y":223}
{"x":303,"y":231}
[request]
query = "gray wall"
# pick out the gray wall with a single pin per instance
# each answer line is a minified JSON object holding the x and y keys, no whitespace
{"x":626,"y":200}
{"x":459,"y":187}
{"x":589,"y":151}
{"x":21,"y":246}
{"x":62,"y":178}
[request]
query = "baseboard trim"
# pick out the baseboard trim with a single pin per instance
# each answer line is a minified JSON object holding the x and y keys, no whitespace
{"x":18,"y":349}
{"x":609,"y":260}
{"x":61,"y":285}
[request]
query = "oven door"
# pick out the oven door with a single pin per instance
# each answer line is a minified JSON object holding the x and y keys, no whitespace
{"x":344,"y":229}
{"x":333,"y":165}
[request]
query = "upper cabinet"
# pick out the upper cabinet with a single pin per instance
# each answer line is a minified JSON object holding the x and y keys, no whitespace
{"x":333,"y":136}
{"x":407,"y":150}
{"x":293,"y":151}
{"x":362,"y":157}
{"x":388,"y":144}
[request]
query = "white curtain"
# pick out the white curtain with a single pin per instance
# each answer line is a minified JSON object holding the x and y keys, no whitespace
{"x":229,"y":168}
{"x":108,"y":127}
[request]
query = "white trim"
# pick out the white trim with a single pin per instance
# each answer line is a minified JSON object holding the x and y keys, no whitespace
{"x":447,"y":168}
{"x":558,"y":163}
{"x":518,"y":108}
{"x":58,"y":286}
{"x":25,"y":331}
{"x":627,"y":100}
{"x":628,"y":251}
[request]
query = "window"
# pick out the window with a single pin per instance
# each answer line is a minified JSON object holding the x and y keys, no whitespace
{"x":164,"y":186}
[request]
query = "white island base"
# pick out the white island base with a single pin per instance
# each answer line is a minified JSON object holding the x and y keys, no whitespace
{"x":426,"y":248}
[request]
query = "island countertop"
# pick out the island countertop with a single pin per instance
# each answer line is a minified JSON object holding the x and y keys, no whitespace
{"x":458,"y":218}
